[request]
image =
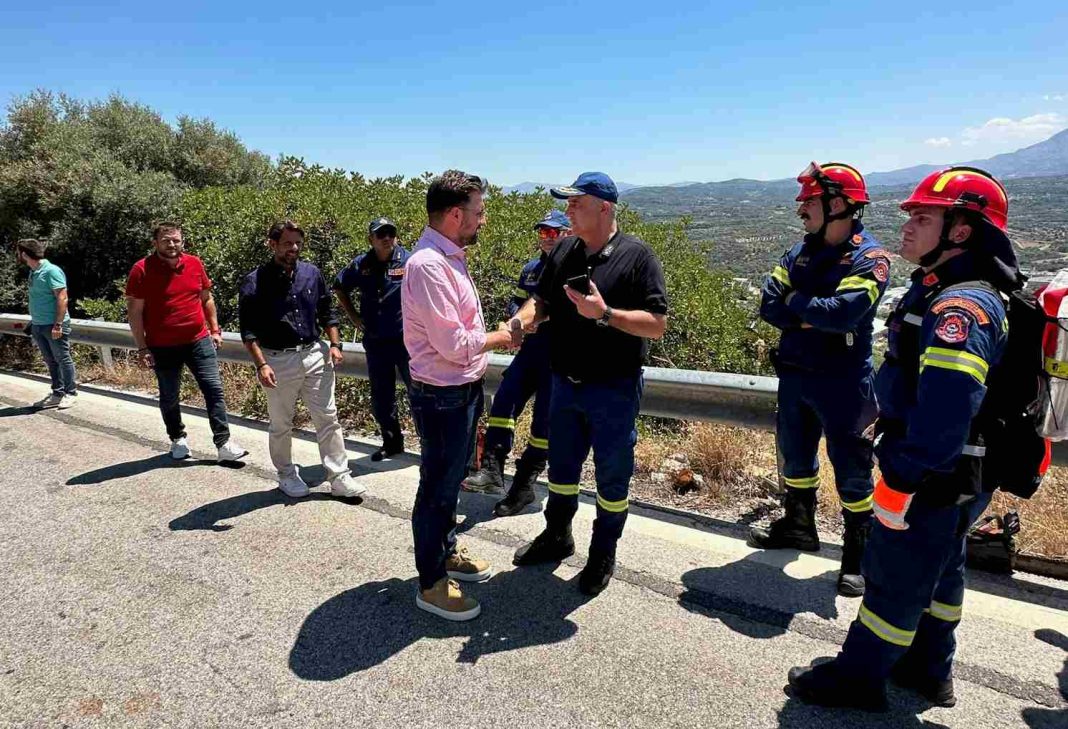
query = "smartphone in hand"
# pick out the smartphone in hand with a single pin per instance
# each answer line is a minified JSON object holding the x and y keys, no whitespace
{"x":580,"y":284}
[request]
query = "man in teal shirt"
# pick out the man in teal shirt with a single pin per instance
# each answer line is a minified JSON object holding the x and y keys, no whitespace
{"x":50,"y":321}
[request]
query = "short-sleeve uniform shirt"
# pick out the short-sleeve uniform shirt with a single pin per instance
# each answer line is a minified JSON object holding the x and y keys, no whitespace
{"x":629,"y":276}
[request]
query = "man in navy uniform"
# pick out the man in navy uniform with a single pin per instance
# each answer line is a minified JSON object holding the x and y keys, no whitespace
{"x":527,"y":376}
{"x":377,"y":275}
{"x":606,"y":294}
{"x":823,"y":296}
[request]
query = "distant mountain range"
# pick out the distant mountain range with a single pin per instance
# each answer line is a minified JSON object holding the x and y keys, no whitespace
{"x":1044,"y":159}
{"x":525,"y":187}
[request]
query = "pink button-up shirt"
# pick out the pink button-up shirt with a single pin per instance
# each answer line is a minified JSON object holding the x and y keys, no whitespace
{"x":444,"y":331}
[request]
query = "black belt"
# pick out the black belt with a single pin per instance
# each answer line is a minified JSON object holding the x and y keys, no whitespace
{"x":427,"y":387}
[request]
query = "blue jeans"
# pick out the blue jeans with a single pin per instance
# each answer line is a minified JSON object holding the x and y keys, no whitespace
{"x":445,"y":418}
{"x":56,"y":353}
{"x":601,"y":416}
{"x":386,"y":358}
{"x":200,"y":358}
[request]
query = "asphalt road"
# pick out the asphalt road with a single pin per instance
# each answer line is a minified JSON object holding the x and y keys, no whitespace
{"x":142,"y":592}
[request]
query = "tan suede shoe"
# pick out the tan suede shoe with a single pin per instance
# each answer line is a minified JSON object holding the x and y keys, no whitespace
{"x":445,"y":600}
{"x":467,"y":568}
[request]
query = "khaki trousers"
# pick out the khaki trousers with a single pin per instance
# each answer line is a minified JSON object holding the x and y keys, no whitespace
{"x":309,"y":375}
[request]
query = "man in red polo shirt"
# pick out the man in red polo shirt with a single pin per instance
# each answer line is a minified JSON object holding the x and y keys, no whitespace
{"x":173,"y":320}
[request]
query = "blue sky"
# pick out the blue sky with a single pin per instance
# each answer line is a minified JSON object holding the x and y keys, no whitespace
{"x":650,"y":93}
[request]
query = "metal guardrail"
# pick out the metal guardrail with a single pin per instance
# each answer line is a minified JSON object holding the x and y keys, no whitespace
{"x":717,"y":397}
{"x":744,"y":400}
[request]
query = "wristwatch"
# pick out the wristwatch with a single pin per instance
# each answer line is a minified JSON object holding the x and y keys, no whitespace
{"x":605,"y":317}
{"x":336,"y":345}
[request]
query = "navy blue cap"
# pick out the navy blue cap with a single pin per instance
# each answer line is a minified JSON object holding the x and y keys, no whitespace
{"x":553,"y":219}
{"x":379,"y":223}
{"x":597,"y":184}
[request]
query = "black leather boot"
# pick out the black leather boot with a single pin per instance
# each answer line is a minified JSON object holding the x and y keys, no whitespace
{"x":855,"y":538}
{"x":521,"y":494}
{"x":827,"y":685}
{"x":796,"y":529}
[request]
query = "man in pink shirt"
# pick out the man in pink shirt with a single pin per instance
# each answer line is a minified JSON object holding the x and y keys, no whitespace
{"x":446,"y":337}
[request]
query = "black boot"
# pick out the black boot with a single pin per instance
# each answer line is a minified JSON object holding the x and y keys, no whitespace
{"x":857,"y":529}
{"x":827,"y":685}
{"x":490,"y":478}
{"x":555,"y":544}
{"x":595,"y":576}
{"x":908,"y":676}
{"x":521,"y":494}
{"x":389,"y":448}
{"x":797,"y":527}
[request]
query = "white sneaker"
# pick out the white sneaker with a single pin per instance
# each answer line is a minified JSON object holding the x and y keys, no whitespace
{"x":293,"y":486}
{"x":230,"y":451}
{"x":179,"y":449}
{"x":51,"y":401}
{"x":67,"y":401}
{"x":346,"y":486}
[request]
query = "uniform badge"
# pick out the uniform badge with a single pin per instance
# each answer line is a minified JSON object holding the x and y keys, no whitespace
{"x":396,"y":272}
{"x":930,"y":279}
{"x":952,"y":327}
{"x":858,"y":239}
{"x":881,"y":271}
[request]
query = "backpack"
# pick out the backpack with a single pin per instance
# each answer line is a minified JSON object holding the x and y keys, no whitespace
{"x":1017,"y":402}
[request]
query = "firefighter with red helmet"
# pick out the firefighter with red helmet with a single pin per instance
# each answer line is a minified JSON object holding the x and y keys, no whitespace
{"x":945,"y":336}
{"x":823,"y":296}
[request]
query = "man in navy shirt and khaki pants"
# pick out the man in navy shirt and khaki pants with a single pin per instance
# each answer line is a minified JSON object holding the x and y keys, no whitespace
{"x":284,"y":306}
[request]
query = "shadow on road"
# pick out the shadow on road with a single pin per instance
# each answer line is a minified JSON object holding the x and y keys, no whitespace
{"x":136,"y":468}
{"x":755,"y":597}
{"x":365,"y":626}
{"x":14,"y":412}
{"x":478,"y":508}
{"x":1042,"y":718}
{"x":796,"y":714}
{"x":208,"y":516}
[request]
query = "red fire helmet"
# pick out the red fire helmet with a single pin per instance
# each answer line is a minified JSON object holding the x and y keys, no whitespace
{"x":833,"y":178}
{"x":963,"y":187}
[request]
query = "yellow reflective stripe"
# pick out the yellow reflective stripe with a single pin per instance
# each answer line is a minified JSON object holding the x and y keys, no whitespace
{"x":858,"y":506}
{"x":1057,"y":368}
{"x":851,"y":283}
{"x":613,"y":506}
{"x":564,"y":489}
{"x":885,"y":630}
{"x":942,"y":611}
{"x":781,"y":275}
{"x":520,"y":293}
{"x":542,"y":443}
{"x":508,"y":423}
{"x":955,"y":359}
{"x":808,"y":482}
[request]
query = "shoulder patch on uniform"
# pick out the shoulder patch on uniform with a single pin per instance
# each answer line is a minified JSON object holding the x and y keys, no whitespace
{"x":958,"y":302}
{"x":881,"y":271}
{"x":396,"y":271}
{"x":952,"y":326}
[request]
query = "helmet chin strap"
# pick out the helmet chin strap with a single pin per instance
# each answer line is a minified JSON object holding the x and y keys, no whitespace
{"x":825,"y":202}
{"x":929,"y":258}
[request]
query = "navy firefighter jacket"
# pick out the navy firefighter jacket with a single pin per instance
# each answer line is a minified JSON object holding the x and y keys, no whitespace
{"x":379,"y":285}
{"x":525,"y":287}
{"x":942,"y":343}
{"x":824,"y":298}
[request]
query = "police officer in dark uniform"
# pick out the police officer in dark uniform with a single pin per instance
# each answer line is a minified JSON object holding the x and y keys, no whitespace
{"x":823,"y":296}
{"x":604,"y":291}
{"x":377,"y":276}
{"x":528,"y":376}
{"x":945,"y":337}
